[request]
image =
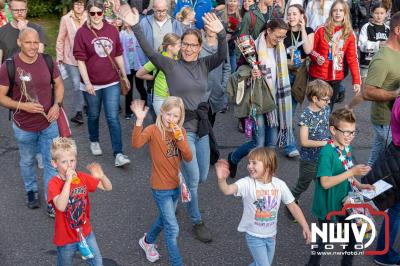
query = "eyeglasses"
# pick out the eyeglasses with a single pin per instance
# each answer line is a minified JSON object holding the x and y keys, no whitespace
{"x":327,"y":99}
{"x":280,"y":38}
{"x":98,"y":13}
{"x":79,"y":4}
{"x":348,"y":133}
{"x":18,"y":10}
{"x":161,"y":11}
{"x":192,"y":46}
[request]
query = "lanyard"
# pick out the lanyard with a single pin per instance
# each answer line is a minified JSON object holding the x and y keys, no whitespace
{"x":345,"y":159}
{"x":295,"y":41}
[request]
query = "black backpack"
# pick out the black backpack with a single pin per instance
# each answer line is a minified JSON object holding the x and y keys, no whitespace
{"x":11,"y":76}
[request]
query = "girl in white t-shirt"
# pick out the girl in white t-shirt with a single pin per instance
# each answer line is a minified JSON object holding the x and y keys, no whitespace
{"x":261,"y":193}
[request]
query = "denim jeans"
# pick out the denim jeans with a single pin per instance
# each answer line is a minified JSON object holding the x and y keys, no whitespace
{"x":110,"y":98}
{"x":196,"y":171}
{"x":266,"y":136}
{"x":378,"y":145}
{"x":28,"y":144}
{"x":392,"y":257}
{"x":232,"y":61}
{"x":157,"y":102}
{"x":65,"y":254}
{"x":77,"y":95}
{"x":166,"y":201}
{"x":262,"y":249}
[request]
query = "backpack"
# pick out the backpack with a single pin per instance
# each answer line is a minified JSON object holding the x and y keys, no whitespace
{"x":11,"y":75}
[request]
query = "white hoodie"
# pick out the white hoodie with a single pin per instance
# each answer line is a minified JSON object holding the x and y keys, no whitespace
{"x":313,"y":13}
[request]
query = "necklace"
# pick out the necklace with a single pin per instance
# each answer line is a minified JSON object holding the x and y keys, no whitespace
{"x":76,"y":17}
{"x":345,"y":159}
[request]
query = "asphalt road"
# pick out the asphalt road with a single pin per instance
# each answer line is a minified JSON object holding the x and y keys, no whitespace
{"x":120,"y":217}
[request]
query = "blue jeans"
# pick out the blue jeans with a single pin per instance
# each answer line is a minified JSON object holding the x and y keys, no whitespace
{"x":232,"y":61}
{"x":392,"y":257}
{"x":28,"y":143}
{"x":77,"y":95}
{"x":266,"y":136}
{"x":110,"y":98}
{"x":378,"y":145}
{"x":66,"y":253}
{"x":196,"y":171}
{"x":166,"y":201}
{"x":262,"y":250}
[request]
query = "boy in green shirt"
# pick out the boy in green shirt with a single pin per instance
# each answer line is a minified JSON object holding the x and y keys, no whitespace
{"x":335,"y":176}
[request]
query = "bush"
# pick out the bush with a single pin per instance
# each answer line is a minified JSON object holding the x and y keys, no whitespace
{"x":40,"y":8}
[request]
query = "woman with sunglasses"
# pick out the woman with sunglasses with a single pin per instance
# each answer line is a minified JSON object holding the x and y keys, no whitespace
{"x":187,"y":78}
{"x":69,"y":25}
{"x":93,"y":41}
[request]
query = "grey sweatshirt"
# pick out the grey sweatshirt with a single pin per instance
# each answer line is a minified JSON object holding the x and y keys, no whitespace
{"x":187,"y":80}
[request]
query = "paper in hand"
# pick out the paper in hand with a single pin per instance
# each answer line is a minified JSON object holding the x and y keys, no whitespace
{"x":380,"y":187}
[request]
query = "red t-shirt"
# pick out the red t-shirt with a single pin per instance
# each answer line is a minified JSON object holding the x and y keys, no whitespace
{"x":77,"y":212}
{"x":37,"y":81}
{"x":88,"y":48}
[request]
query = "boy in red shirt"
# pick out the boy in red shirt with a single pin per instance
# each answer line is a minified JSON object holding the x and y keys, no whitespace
{"x":68,"y":193}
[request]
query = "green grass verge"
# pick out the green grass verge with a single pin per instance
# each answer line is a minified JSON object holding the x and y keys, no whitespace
{"x":50,"y":25}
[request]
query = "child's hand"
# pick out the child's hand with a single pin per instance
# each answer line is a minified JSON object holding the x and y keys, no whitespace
{"x":222,"y":169}
{"x":360,"y":170}
{"x":139,"y":109}
{"x":95,"y":170}
{"x":177,"y":132}
{"x":69,"y":174}
{"x":307,"y":235}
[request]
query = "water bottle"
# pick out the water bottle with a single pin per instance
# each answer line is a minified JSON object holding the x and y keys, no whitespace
{"x":248,"y":127}
{"x":330,"y":52}
{"x":84,"y":249}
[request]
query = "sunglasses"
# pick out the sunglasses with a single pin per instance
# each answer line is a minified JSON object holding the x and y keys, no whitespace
{"x":98,"y":13}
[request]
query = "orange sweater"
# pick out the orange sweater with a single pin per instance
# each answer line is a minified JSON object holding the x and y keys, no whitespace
{"x":166,"y":155}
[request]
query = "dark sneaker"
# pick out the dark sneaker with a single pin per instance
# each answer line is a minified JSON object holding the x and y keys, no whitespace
{"x":202,"y":233}
{"x":78,"y":118}
{"x":33,"y":199}
{"x":51,"y":212}
{"x":232,"y":166}
{"x":340,"y":97}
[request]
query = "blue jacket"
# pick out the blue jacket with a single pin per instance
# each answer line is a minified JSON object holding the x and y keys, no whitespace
{"x":147,"y":27}
{"x":199,"y":6}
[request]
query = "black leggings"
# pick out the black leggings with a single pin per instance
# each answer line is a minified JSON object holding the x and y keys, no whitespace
{"x":139,"y":86}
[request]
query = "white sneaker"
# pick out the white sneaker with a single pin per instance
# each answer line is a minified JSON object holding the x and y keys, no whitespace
{"x":95,"y":148}
{"x":39,"y":159}
{"x":293,"y":154}
{"x":150,"y":250}
{"x":121,"y":160}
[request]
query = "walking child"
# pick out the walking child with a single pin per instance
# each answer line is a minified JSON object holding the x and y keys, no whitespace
{"x":335,"y":178}
{"x":314,"y":133}
{"x":68,"y":192}
{"x":168,"y":145}
{"x":261,"y":193}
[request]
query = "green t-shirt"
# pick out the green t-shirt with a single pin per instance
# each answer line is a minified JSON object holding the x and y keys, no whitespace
{"x":383,"y":72}
{"x":160,"y":83}
{"x":327,"y":200}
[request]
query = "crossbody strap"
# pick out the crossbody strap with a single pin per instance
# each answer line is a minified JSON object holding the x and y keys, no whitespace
{"x":105,"y":50}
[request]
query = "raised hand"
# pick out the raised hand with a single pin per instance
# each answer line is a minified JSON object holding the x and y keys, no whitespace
{"x":212,"y":23}
{"x":139,"y":109}
{"x":128,"y":15}
{"x":95,"y":170}
{"x":222,"y":169}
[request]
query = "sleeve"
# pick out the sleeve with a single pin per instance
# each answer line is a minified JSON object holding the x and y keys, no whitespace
{"x":161,"y":62}
{"x":149,"y":67}
{"x":62,"y":34}
{"x":139,"y":137}
{"x":54,"y":189}
{"x":377,"y":72}
{"x":226,"y":72}
{"x":214,"y":60}
{"x":79,"y":50}
{"x":287,"y":196}
{"x":324,"y":167}
{"x":91,"y":182}
{"x":317,"y":45}
{"x":352,"y":59}
{"x":184,"y":147}
{"x":304,"y":120}
{"x":42,"y":35}
{"x":245,"y":25}
{"x":4,"y":75}
{"x":243,"y":186}
{"x":309,"y":30}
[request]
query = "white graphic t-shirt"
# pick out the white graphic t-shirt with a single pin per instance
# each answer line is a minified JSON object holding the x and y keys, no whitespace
{"x":261,"y":204}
